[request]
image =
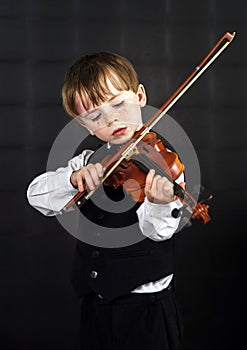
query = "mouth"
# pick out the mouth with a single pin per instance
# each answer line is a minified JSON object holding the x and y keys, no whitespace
{"x":119,"y":131}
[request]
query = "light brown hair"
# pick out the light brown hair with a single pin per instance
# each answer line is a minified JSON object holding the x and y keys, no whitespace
{"x":88,"y":75}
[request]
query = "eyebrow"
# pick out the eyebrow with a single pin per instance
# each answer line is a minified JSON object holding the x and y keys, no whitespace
{"x":113,"y":97}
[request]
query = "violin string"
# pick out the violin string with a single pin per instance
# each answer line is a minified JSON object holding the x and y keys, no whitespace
{"x":200,"y":71}
{"x":150,"y":164}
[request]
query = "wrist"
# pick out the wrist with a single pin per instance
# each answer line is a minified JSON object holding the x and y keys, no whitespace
{"x":73,"y":180}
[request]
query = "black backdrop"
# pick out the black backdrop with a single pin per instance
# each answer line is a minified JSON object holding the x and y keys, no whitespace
{"x":164,"y":39}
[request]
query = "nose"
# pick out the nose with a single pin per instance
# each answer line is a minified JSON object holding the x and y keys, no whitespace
{"x":110,"y":121}
{"x":110,"y":116}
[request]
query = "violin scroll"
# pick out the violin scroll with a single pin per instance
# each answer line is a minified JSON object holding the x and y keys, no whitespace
{"x":201,"y":212}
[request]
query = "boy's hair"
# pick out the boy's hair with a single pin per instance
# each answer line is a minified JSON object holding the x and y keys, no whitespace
{"x":89,"y":75}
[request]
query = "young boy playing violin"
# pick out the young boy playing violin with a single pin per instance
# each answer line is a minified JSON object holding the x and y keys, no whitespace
{"x":127,"y":292}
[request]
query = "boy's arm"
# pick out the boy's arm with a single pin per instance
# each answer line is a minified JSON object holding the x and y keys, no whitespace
{"x":156,"y":221}
{"x":49,"y":192}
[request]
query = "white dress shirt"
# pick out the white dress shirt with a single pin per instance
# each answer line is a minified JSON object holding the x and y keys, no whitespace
{"x":49,"y":192}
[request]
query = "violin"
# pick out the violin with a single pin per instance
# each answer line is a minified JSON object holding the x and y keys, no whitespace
{"x":152,"y":154}
{"x":129,"y":166}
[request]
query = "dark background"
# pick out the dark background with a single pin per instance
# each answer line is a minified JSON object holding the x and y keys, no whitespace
{"x":164,"y":39}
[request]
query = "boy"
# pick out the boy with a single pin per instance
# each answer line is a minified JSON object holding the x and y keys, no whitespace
{"x":127,"y":293}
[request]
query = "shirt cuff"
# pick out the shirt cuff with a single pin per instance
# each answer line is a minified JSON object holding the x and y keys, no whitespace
{"x":156,"y":221}
{"x":60,"y":182}
{"x":162,"y":210}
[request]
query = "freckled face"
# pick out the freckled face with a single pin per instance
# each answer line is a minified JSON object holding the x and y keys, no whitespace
{"x":115,"y":120}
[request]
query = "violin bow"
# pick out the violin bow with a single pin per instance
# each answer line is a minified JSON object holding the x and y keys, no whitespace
{"x":129,"y":149}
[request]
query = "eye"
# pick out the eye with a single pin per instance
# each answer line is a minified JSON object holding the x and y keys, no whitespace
{"x":96,"y":118}
{"x":117,"y":105}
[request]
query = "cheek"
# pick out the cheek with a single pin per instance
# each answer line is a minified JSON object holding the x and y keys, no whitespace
{"x":102,"y":134}
{"x":132,"y":114}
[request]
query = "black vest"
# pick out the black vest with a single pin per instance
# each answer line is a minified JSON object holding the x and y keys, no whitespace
{"x":112,"y":272}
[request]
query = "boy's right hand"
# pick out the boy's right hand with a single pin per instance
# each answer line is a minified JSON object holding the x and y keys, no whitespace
{"x":88,"y":176}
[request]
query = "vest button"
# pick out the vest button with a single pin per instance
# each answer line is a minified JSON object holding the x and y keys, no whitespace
{"x":96,"y":234}
{"x":95,"y":253}
{"x":100,"y":216}
{"x":94,"y":274}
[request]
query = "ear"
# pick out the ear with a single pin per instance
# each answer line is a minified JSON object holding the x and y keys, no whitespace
{"x":141,"y":94}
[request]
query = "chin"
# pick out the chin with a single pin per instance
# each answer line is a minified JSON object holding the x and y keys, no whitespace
{"x":122,"y":139}
{"x":119,"y":141}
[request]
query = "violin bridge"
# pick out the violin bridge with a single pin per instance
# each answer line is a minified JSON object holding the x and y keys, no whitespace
{"x":130,"y":152}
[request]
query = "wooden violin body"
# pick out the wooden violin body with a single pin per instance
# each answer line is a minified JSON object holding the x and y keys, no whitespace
{"x":152,"y":154}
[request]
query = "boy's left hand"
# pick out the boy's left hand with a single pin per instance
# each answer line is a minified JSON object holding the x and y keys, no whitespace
{"x":159,"y":189}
